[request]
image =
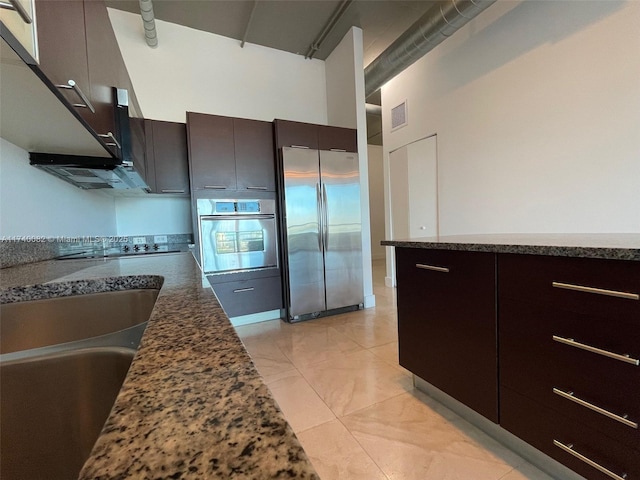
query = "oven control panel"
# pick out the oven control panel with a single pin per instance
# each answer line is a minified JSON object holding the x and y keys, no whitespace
{"x":249,"y":206}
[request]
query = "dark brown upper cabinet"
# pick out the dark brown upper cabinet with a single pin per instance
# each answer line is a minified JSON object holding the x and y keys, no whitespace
{"x":62,"y":49}
{"x":77,"y":45}
{"x":228,"y":153}
{"x":167,"y":158}
{"x":255,"y":163}
{"x":317,"y":137}
{"x":211,"y":152}
{"x":337,"y":138}
{"x":296,"y":134}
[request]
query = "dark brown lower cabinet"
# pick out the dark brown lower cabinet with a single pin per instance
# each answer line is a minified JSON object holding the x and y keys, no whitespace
{"x":244,"y":297}
{"x":447,"y":323}
{"x":591,"y":453}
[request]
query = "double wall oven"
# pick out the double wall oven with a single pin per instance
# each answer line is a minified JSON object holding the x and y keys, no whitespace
{"x":237,"y":235}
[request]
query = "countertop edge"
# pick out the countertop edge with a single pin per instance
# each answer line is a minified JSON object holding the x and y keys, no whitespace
{"x":608,"y":253}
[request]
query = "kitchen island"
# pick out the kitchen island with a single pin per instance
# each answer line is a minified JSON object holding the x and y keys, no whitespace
{"x":531,"y":337}
{"x":192,"y":404}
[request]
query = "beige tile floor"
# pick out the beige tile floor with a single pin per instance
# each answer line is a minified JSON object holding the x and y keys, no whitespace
{"x":354,"y":409}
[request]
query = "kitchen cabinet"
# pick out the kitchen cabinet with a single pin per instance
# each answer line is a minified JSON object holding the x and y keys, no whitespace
{"x":254,"y":153}
{"x":24,"y":32}
{"x":232,"y":154}
{"x":166,"y":158}
{"x":316,"y":137}
{"x":211,"y":152}
{"x":77,"y":46}
{"x":254,"y":295}
{"x":569,"y":342}
{"x":447,"y":323}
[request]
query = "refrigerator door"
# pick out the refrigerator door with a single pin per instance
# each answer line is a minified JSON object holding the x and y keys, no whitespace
{"x":342,"y":235}
{"x":302,"y":194}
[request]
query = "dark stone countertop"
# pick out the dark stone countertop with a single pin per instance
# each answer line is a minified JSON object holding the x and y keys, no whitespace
{"x":193,"y":406}
{"x":624,"y":246}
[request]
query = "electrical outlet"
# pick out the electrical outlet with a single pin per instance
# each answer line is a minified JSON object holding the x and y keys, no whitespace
{"x":160,"y":239}
{"x":139,"y":240}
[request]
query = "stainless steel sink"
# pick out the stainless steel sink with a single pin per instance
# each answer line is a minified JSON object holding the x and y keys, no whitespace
{"x":62,"y":364}
{"x":39,"y":323}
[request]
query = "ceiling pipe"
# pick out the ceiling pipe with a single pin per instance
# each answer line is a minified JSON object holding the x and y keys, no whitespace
{"x":337,"y":14}
{"x":440,"y":21}
{"x":149,"y":23}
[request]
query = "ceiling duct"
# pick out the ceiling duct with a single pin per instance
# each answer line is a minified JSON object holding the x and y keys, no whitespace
{"x":149,"y":23}
{"x":442,"y":20}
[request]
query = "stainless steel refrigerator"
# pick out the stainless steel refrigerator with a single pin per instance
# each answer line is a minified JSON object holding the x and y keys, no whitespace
{"x":322,"y":229}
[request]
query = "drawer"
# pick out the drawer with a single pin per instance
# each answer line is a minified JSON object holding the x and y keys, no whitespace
{"x":533,"y":363}
{"x":547,"y":431}
{"x":610,"y":288}
{"x":249,"y":296}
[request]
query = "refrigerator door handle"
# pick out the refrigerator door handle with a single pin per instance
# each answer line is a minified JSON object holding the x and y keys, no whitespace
{"x":325,"y":219}
{"x":320,"y":217}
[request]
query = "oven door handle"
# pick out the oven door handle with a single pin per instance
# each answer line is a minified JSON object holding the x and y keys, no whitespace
{"x":238,"y":217}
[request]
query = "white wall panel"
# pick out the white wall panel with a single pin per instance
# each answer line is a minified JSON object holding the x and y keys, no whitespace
{"x":537,"y":110}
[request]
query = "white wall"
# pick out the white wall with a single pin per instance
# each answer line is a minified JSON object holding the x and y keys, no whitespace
{"x":191,"y":70}
{"x":346,"y":108}
{"x":537,"y":110}
{"x":153,"y":215}
{"x":376,"y":200}
{"x":36,"y":203}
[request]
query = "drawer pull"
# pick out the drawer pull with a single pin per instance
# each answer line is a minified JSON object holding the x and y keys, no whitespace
{"x":256,"y":188}
{"x":215,"y":187}
{"x":72,"y":85}
{"x":569,"y":449}
{"x":602,"y":411}
{"x":432,"y":267}
{"x":171,"y":190}
{"x":598,"y":291}
{"x":616,"y":356}
{"x":240,"y":290}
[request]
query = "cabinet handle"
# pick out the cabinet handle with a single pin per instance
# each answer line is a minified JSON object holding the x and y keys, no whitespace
{"x":616,"y":356}
{"x":72,"y":85}
{"x":342,"y":150}
{"x":256,"y":188}
{"x":570,"y":396}
{"x":17,"y":7}
{"x":432,"y":267}
{"x":240,"y":290}
{"x":215,"y":187}
{"x":110,"y":136}
{"x":172,"y":191}
{"x":569,"y":449}
{"x":598,"y":291}
{"x":299,"y":146}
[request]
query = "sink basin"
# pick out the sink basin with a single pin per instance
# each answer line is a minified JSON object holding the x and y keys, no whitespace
{"x":62,"y":363}
{"x":39,"y":323}
{"x":53,"y":409}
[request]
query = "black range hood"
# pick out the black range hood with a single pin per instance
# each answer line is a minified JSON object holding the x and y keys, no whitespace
{"x":109,"y":173}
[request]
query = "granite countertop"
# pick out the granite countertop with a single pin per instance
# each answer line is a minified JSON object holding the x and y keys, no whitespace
{"x":192,"y":406}
{"x":624,"y":246}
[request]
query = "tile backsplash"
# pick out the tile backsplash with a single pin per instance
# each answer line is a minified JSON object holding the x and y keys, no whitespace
{"x":17,"y":250}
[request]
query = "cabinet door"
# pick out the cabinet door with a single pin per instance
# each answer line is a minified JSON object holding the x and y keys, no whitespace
{"x":289,"y":134}
{"x":105,"y":66}
{"x":255,"y":163}
{"x":337,"y":138}
{"x":447,"y":323}
{"x":62,"y":48}
{"x":211,"y":152}
{"x":167,"y":156}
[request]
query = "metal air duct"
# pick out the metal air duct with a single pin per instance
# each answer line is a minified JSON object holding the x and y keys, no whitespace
{"x":442,"y":20}
{"x":149,"y":23}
